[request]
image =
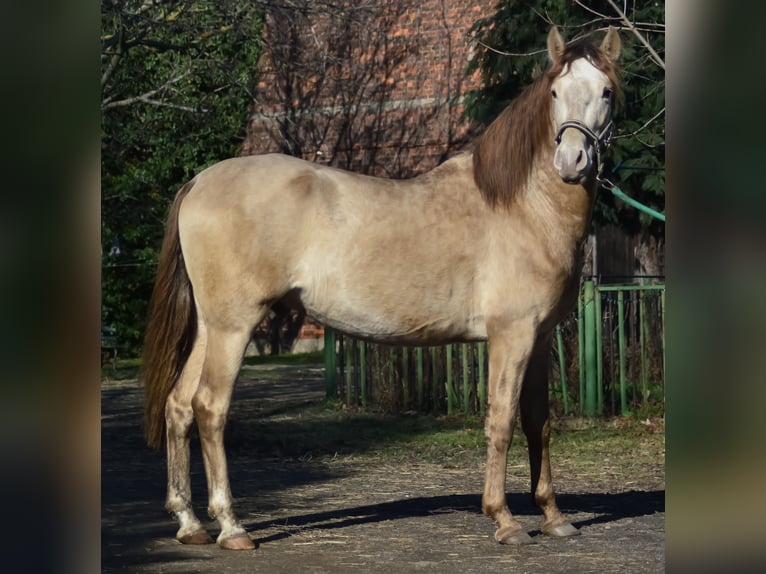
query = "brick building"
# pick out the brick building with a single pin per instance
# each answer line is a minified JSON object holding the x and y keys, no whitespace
{"x":375,"y":87}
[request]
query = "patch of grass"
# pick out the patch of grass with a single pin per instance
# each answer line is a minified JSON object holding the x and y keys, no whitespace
{"x":323,"y":430}
{"x":123,"y":369}
{"x":435,"y":437}
{"x":600,"y":443}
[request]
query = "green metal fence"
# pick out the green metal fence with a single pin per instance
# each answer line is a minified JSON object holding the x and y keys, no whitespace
{"x":622,"y":358}
{"x":612,"y":345}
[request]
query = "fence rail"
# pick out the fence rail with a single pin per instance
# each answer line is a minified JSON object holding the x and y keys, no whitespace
{"x":613,"y":345}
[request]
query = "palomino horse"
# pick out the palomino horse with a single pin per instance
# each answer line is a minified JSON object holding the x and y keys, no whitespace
{"x":485,"y":246}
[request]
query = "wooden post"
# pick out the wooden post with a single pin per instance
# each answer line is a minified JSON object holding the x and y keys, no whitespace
{"x":330,"y":365}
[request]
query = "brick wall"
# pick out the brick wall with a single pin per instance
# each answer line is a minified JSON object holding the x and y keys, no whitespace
{"x":375,"y":87}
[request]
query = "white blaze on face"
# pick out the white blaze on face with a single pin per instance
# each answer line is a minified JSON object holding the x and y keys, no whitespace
{"x":581,"y":92}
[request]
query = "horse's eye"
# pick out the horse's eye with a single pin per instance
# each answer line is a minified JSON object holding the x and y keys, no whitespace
{"x":553,"y":93}
{"x":607,"y":95}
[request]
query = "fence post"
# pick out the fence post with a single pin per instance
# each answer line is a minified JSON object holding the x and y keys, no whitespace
{"x":466,"y":384}
{"x":450,"y":382}
{"x":419,"y":355}
{"x":599,"y":354}
{"x":589,"y":307}
{"x":436,"y":380}
{"x":662,"y":306}
{"x":363,"y":372}
{"x":348,"y":371}
{"x":621,"y":357}
{"x":642,"y":349}
{"x":405,"y":372}
{"x":562,"y":369}
{"x":581,"y":352}
{"x":481,"y":390}
{"x":330,"y":365}
{"x":390,"y":368}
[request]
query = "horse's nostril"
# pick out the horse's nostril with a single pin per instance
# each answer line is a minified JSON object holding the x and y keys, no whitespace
{"x":579,"y":157}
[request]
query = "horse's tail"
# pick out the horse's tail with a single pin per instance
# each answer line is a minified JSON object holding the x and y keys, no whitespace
{"x":171,"y":328}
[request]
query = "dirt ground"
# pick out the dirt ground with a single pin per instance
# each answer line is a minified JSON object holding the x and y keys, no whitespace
{"x":310,"y":509}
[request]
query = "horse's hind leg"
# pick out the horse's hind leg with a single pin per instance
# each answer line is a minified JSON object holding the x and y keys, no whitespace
{"x":179,"y":417}
{"x":535,"y":422}
{"x":223,"y":356}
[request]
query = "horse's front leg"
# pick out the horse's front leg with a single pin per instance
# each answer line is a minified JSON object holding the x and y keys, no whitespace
{"x":211,"y":405}
{"x":179,"y":418}
{"x":509,"y":351}
{"x":535,"y":421}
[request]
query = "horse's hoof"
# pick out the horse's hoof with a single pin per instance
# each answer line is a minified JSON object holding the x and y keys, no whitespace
{"x":199,"y":537}
{"x":517,"y":539}
{"x":560,"y":530}
{"x":237,"y":542}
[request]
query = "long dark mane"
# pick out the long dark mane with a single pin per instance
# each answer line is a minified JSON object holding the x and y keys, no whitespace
{"x":506,"y":152}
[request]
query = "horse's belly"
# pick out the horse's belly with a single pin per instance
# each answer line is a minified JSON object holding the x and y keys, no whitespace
{"x":399,"y":325}
{"x":399,"y":288}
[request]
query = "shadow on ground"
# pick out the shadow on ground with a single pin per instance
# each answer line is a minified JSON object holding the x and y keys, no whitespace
{"x":124,"y":544}
{"x":610,"y":507}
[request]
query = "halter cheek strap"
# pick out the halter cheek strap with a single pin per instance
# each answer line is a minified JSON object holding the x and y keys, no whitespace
{"x":600,"y":141}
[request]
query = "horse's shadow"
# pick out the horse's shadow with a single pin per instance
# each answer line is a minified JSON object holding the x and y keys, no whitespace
{"x":608,"y":508}
{"x":130,"y":544}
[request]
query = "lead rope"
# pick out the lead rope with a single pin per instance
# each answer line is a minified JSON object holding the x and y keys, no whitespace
{"x":617,"y":192}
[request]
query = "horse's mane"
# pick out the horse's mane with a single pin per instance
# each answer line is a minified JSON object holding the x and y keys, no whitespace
{"x":506,"y":152}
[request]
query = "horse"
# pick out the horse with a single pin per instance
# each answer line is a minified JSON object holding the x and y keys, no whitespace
{"x":486,"y":246}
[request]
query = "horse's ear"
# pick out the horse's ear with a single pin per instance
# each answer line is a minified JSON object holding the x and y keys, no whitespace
{"x":556,"y":44}
{"x":611,"y":44}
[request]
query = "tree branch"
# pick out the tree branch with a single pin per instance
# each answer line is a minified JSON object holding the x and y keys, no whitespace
{"x":643,"y":127}
{"x":628,"y":24}
{"x":496,"y":51}
{"x":146,"y":98}
{"x":111,"y":67}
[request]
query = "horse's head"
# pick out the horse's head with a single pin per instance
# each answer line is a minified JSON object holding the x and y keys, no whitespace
{"x":582,"y":92}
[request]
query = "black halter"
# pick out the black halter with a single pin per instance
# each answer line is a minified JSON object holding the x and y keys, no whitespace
{"x":601,"y":141}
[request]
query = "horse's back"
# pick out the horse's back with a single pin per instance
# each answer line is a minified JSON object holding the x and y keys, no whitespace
{"x":238,"y":182}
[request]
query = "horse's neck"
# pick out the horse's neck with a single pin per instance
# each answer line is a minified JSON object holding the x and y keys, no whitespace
{"x":560,"y":211}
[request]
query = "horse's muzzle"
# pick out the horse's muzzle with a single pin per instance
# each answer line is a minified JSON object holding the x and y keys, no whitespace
{"x":572,"y":162}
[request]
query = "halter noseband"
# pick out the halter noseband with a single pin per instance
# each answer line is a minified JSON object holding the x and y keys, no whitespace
{"x":601,"y":141}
